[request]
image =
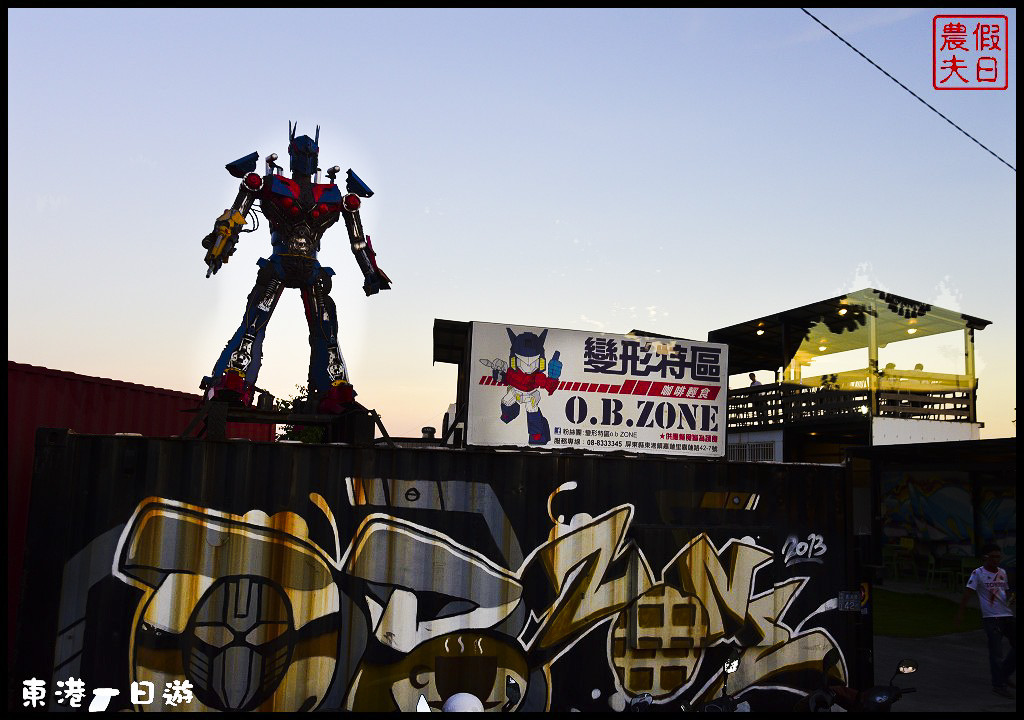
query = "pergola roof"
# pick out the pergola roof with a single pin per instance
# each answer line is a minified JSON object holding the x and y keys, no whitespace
{"x":843,"y":319}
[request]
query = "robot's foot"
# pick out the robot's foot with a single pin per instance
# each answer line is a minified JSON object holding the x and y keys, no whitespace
{"x":509,"y":412}
{"x":229,"y":387}
{"x":537,"y":426}
{"x":337,"y":399}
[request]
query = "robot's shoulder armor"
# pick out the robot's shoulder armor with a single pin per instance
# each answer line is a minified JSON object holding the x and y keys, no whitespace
{"x":327,"y":194}
{"x":354,"y":185}
{"x":243,"y":165}
{"x":277,"y":185}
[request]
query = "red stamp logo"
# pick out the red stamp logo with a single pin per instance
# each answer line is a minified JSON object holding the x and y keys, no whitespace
{"x":970,"y":52}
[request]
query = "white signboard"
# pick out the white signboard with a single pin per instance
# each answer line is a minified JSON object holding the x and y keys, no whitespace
{"x":551,"y":388}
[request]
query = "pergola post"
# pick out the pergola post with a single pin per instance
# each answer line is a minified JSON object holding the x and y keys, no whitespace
{"x":872,"y":314}
{"x":972,"y":392}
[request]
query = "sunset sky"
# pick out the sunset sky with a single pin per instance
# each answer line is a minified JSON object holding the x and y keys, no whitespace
{"x":676,"y":171}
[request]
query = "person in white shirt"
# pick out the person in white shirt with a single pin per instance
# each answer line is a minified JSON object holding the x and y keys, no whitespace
{"x":990,"y":584}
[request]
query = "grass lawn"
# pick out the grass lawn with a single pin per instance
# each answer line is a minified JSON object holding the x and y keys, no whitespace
{"x":911,"y":615}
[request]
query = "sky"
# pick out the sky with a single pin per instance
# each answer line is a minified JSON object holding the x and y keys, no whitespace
{"x":675,"y":171}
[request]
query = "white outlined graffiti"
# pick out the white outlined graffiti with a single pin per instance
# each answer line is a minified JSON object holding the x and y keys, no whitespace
{"x":258,"y":603}
{"x":706,"y":599}
{"x":249,"y":616}
{"x":474,"y":592}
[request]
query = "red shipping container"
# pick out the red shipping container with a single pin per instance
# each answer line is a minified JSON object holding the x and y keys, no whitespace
{"x":39,"y":397}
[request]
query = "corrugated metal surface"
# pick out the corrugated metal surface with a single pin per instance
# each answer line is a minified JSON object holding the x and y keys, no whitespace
{"x":383,"y":578}
{"x":40,"y":397}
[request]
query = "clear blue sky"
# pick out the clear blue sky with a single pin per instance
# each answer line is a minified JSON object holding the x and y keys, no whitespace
{"x":672,"y":170}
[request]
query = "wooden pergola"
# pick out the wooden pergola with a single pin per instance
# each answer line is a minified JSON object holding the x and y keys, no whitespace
{"x":789,"y":341}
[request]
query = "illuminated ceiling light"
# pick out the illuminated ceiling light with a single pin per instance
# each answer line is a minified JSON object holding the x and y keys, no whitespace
{"x":760,"y":332}
{"x":842,"y":311}
{"x":911,"y":331}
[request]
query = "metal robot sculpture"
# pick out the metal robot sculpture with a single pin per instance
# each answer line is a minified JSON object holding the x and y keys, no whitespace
{"x":299,"y":211}
{"x":525,"y":374}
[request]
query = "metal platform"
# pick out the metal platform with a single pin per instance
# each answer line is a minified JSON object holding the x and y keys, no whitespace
{"x":354,"y":426}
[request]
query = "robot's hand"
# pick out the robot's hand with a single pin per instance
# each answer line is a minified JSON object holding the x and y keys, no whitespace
{"x":220,"y":244}
{"x":376,"y":281}
{"x":555,"y":366}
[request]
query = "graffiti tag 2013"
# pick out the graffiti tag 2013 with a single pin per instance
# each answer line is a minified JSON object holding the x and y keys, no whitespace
{"x":799,"y":551}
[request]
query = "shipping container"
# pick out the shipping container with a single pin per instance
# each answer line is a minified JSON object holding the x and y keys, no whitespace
{"x":371,"y":578}
{"x":40,"y":397}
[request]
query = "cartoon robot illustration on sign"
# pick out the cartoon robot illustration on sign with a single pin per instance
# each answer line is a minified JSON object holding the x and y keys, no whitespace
{"x":526,"y":373}
{"x":299,"y":209}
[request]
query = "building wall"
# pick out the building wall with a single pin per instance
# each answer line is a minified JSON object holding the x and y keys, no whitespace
{"x":896,"y":431}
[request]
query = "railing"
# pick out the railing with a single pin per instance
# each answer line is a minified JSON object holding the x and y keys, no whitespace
{"x":926,"y":396}
{"x":847,"y":395}
{"x":773,"y":405}
{"x":751,"y":452}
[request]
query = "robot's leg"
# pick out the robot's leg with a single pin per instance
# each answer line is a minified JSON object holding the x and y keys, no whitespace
{"x":328,"y":375}
{"x":510,"y":405}
{"x":538,"y":428}
{"x":509,"y":412}
{"x":234,"y":375}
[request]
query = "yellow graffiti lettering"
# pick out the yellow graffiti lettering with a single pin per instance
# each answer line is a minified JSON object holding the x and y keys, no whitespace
{"x":577,"y":564}
{"x":805,"y":652}
{"x":763,"y":613}
{"x":654,"y":644}
{"x":724,"y":590}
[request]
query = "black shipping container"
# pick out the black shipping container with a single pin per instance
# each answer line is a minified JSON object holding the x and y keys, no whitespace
{"x":253,"y":576}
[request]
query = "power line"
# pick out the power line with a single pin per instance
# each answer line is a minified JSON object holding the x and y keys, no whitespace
{"x":908,"y":90}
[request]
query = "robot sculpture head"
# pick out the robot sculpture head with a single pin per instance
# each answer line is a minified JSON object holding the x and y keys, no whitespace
{"x":527,"y":351}
{"x":303,"y":151}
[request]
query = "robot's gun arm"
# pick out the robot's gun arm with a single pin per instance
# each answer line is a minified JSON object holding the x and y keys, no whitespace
{"x":498,"y":368}
{"x":220,"y":244}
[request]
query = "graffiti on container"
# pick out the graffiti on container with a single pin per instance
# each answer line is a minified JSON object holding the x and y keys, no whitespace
{"x":705,"y":599}
{"x":249,"y":616}
{"x":402,"y":615}
{"x":811,"y":550}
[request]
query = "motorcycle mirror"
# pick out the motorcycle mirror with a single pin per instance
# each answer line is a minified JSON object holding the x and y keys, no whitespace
{"x":908,"y":666}
{"x":904,"y":667}
{"x":828,"y":662}
{"x":512,"y":693}
{"x":640,"y":703}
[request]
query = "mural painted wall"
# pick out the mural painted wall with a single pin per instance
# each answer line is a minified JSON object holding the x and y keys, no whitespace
{"x":300,"y":578}
{"x":937,"y":509}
